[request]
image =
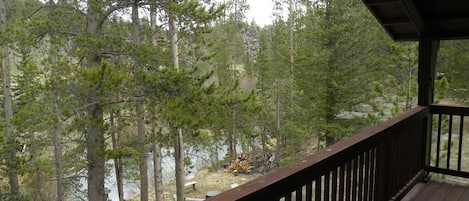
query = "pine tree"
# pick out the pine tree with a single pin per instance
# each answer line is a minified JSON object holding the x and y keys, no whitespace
{"x":333,"y":54}
{"x":9,"y":138}
{"x":451,"y":61}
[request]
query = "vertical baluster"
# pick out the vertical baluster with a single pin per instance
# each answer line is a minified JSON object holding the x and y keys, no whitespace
{"x":334,"y":185}
{"x":367,"y":175}
{"x":450,"y":131}
{"x":341,"y":182}
{"x":288,"y":197}
{"x":348,"y":182}
{"x":361,"y":176}
{"x":437,"y":163}
{"x":318,"y":193}
{"x":461,"y":132}
{"x":309,"y":191}
{"x":393,"y":177}
{"x":327,"y":186}
{"x":372,"y":178}
{"x":384,"y":157}
{"x":428,"y":143}
{"x":354,"y":178}
{"x":299,"y":194}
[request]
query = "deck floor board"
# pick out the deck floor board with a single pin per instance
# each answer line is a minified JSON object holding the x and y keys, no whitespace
{"x":465,"y":195}
{"x":455,"y":193}
{"x":435,"y":190}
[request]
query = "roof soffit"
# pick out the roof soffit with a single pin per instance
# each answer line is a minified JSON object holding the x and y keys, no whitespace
{"x":414,"y":19}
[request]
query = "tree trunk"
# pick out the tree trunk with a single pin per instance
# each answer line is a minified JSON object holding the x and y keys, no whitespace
{"x":95,"y":152}
{"x":36,"y":177}
{"x":234,"y":153}
{"x":230,"y":147}
{"x":174,"y":40}
{"x":158,"y":171}
{"x":277,"y":74}
{"x":153,"y":25}
{"x":7,"y":101}
{"x":157,"y":157}
{"x":95,"y":123}
{"x":58,"y":157}
{"x":178,"y":144}
{"x":278,"y":144}
{"x":140,"y":113}
{"x":263,"y":140}
{"x":331,"y":90}
{"x":58,"y":128}
{"x":291,"y":24}
{"x":180,"y":172}
{"x":117,"y":160}
{"x":143,"y":153}
{"x":408,"y":101}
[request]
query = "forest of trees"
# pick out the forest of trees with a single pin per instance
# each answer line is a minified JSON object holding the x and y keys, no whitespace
{"x":89,"y":81}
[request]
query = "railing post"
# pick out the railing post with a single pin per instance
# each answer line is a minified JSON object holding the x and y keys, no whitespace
{"x":427,"y":125}
{"x":428,"y":53}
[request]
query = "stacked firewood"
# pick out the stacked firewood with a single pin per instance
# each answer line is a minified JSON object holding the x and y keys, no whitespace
{"x":242,"y":164}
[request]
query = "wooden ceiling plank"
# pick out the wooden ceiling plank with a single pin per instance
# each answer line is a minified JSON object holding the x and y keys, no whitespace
{"x":396,"y":21}
{"x":415,"y":16}
{"x":415,"y":19}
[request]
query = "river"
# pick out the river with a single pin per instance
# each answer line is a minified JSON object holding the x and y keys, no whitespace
{"x":200,"y":160}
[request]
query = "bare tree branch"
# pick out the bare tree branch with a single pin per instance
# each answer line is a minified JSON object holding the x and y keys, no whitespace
{"x":54,"y":7}
{"x":120,"y":5}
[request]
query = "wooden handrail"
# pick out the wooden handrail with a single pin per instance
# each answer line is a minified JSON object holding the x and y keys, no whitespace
{"x":447,"y":109}
{"x":362,"y":163}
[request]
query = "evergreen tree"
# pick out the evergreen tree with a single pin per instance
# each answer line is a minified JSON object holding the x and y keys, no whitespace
{"x":334,"y":70}
{"x":452,"y":59}
{"x":85,"y":77}
{"x":9,"y":138}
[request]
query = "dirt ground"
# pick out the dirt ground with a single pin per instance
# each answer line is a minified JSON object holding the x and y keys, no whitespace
{"x":206,"y":181}
{"x":216,"y":181}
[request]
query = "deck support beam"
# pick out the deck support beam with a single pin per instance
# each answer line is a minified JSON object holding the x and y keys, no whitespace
{"x":428,"y":52}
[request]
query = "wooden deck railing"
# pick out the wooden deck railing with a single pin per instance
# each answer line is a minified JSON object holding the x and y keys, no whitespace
{"x":448,"y":140}
{"x":376,"y":164}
